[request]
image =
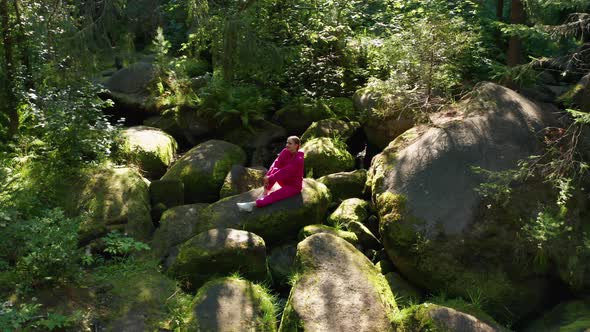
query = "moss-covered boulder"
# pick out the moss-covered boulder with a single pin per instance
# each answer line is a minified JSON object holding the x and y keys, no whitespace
{"x":310,"y":230}
{"x":242,"y":179}
{"x":151,"y":149}
{"x":276,"y":223}
{"x":116,"y":198}
{"x":186,"y":125}
{"x":128,"y":87}
{"x":438,"y":231}
{"x":571,"y":316}
{"x":352,"y":209}
{"x":343,"y":107}
{"x":326,"y":156}
{"x":177,"y":225}
{"x":203,"y":169}
{"x":132,"y":297}
{"x":220,"y":251}
{"x":383,"y":121}
{"x":280,"y":263}
{"x":232,"y":305}
{"x":433,"y":317}
{"x":338,"y":289}
{"x":345,"y":185}
{"x":260,"y":134}
{"x":298,"y":115}
{"x":333,"y":128}
{"x":579,"y":94}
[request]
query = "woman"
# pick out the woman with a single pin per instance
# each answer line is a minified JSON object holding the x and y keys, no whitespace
{"x":287,"y":171}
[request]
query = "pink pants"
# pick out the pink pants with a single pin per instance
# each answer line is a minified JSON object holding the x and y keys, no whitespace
{"x":277,"y":195}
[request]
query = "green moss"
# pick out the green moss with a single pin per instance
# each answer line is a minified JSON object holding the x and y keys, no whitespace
{"x":350,"y":210}
{"x":567,"y":317}
{"x":310,"y":230}
{"x":325,"y":156}
{"x":344,"y":185}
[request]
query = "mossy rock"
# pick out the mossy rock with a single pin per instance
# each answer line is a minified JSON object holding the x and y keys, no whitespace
{"x":326,"y":156}
{"x":438,"y":231}
{"x":176,"y":226}
{"x":310,"y":230}
{"x":571,"y":316}
{"x":151,"y":149}
{"x":232,"y":305}
{"x":134,"y":297}
{"x":220,"y":251}
{"x":332,"y":128}
{"x":166,"y":194}
{"x":385,"y":266}
{"x":116,"y":198}
{"x":579,"y":94}
{"x":242,"y":179}
{"x":128,"y":87}
{"x":280,"y":263}
{"x":433,"y":317}
{"x":260,"y":134}
{"x":203,"y":169}
{"x":352,"y":209}
{"x":405,"y":294}
{"x":337,"y":289}
{"x":344,"y":185}
{"x":298,"y":115}
{"x":276,"y":223}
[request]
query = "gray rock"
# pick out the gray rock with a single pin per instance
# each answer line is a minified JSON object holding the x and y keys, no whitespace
{"x":242,"y":179}
{"x":345,"y":185}
{"x":326,"y":156}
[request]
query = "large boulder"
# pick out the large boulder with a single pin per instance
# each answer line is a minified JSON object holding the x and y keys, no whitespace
{"x":218,"y":252}
{"x":276,"y":223}
{"x":579,"y":95}
{"x":232,"y":305}
{"x":129,"y":86}
{"x":435,"y":227}
{"x":345,"y":185}
{"x":326,"y":156}
{"x":258,"y":136}
{"x":298,"y":115}
{"x":177,"y":225}
{"x":149,"y":148}
{"x":187,"y":125}
{"x":242,"y":179}
{"x":571,"y":316}
{"x":115,"y":198}
{"x":331,"y":128}
{"x":203,"y":169}
{"x":338,"y":289}
{"x":310,"y":230}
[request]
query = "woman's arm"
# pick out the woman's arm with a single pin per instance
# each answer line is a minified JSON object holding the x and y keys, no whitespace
{"x":294,"y":167}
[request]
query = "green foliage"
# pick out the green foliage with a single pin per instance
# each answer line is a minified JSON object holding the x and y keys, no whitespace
{"x":497,"y":184}
{"x":50,"y":251}
{"x":242,"y":104}
{"x":118,"y":244}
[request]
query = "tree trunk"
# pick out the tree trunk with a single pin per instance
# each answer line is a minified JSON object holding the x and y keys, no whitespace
{"x":24,"y":46}
{"x":500,"y":18}
{"x":8,"y":67}
{"x":517,"y":16}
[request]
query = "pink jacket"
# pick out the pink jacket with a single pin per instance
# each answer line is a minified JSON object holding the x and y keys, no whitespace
{"x":287,"y":169}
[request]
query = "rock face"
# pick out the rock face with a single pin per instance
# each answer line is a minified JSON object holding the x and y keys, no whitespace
{"x":242,"y":179}
{"x":326,"y":156}
{"x":277,"y":222}
{"x":129,"y":86}
{"x":220,"y":252}
{"x":117,"y":199}
{"x":232,"y":305}
{"x":177,"y":225}
{"x":149,"y":148}
{"x":331,"y":128}
{"x":339,"y":289}
{"x":203,"y":168}
{"x":435,"y":227}
{"x":566,"y":317}
{"x":345,"y":185}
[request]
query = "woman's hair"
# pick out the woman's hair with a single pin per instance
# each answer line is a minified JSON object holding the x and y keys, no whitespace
{"x":295,"y":139}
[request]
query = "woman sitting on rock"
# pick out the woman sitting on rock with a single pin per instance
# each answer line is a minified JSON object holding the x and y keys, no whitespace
{"x":287,"y":171}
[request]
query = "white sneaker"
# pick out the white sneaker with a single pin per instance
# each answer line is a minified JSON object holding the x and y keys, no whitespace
{"x":247,"y":206}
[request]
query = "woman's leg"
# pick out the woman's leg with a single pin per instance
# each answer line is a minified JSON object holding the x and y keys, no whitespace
{"x":277,"y":195}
